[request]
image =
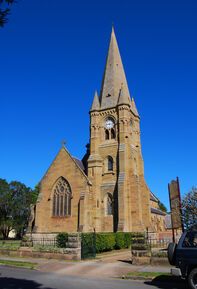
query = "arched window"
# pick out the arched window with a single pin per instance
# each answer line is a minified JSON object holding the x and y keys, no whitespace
{"x":108,"y":204}
{"x":110,"y":163}
{"x":106,"y":134}
{"x":113,"y":134}
{"x":62,"y":198}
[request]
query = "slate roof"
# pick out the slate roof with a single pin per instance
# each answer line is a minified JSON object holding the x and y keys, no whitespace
{"x":157,"y":211}
{"x":79,"y":163}
{"x":153,"y":197}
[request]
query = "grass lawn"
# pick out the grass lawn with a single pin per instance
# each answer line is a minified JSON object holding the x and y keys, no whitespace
{"x":147,"y":274}
{"x":22,"y":264}
{"x":10,"y":244}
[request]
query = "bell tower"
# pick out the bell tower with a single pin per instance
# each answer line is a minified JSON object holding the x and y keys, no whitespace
{"x":120,"y":196}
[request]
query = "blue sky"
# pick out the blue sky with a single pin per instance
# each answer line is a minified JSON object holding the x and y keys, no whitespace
{"x":52,"y":59}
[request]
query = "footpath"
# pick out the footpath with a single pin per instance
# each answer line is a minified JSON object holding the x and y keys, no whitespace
{"x":108,"y":265}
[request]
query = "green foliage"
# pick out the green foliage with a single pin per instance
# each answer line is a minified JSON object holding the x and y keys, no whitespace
{"x":35,"y":193}
{"x":102,"y":242}
{"x":189,"y":208}
{"x":48,"y":248}
{"x":14,"y":263}
{"x":127,"y":240}
{"x":88,"y":239}
{"x":120,"y":240}
{"x":62,"y":239}
{"x":10,"y":245}
{"x":5,"y":11}
{"x":15,"y":201}
{"x":105,"y":242}
{"x":5,"y":208}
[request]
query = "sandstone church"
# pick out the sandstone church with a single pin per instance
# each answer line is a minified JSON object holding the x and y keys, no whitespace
{"x":106,"y":190}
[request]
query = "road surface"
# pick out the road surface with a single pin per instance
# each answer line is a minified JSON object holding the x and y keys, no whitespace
{"x":17,"y":278}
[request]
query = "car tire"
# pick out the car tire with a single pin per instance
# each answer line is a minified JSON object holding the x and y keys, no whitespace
{"x":192,"y":279}
{"x":172,"y":253}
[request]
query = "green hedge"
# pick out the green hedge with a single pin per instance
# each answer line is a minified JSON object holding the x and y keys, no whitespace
{"x":120,"y":240}
{"x":62,"y":239}
{"x":105,"y":242}
{"x":110,"y":241}
{"x":127,"y":240}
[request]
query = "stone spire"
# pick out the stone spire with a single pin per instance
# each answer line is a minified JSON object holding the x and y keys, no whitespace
{"x":95,"y":103}
{"x":114,"y":76}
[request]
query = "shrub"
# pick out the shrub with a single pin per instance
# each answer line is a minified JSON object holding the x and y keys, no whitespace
{"x":105,"y":242}
{"x":120,"y":240}
{"x":127,"y":240}
{"x":62,"y":239}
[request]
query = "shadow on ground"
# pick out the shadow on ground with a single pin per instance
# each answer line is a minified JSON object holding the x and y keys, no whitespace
{"x":126,"y":261}
{"x":13,"y":283}
{"x":166,"y":282}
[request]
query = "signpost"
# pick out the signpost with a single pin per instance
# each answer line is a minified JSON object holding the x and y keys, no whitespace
{"x":175,"y":205}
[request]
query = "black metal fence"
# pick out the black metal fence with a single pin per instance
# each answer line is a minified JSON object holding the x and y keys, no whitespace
{"x":44,"y":242}
{"x":88,"y":245}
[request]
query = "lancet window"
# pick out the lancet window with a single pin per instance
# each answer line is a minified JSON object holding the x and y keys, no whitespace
{"x":110,"y":163}
{"x":62,"y":198}
{"x":108,"y":204}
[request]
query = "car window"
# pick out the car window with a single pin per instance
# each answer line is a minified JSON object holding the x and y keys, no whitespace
{"x":190,"y":240}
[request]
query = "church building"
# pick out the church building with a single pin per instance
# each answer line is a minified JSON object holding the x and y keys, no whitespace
{"x":106,"y":190}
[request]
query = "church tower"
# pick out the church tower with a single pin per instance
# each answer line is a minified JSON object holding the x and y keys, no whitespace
{"x":120,"y":196}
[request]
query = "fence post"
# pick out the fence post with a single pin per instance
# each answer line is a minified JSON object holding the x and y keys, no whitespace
{"x":94,"y":243}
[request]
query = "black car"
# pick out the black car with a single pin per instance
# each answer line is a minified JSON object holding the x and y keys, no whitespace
{"x":184,"y":256}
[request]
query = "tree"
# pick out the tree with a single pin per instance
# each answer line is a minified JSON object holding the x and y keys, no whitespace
{"x":189,"y":208}
{"x":5,"y":208}
{"x":5,"y":11}
{"x":15,"y":202}
{"x":22,"y":199}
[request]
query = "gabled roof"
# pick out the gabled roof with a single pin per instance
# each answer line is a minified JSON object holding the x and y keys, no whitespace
{"x":77,"y":162}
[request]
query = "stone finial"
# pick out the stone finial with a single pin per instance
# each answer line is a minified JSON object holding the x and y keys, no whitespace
{"x":95,"y":103}
{"x":123,"y":98}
